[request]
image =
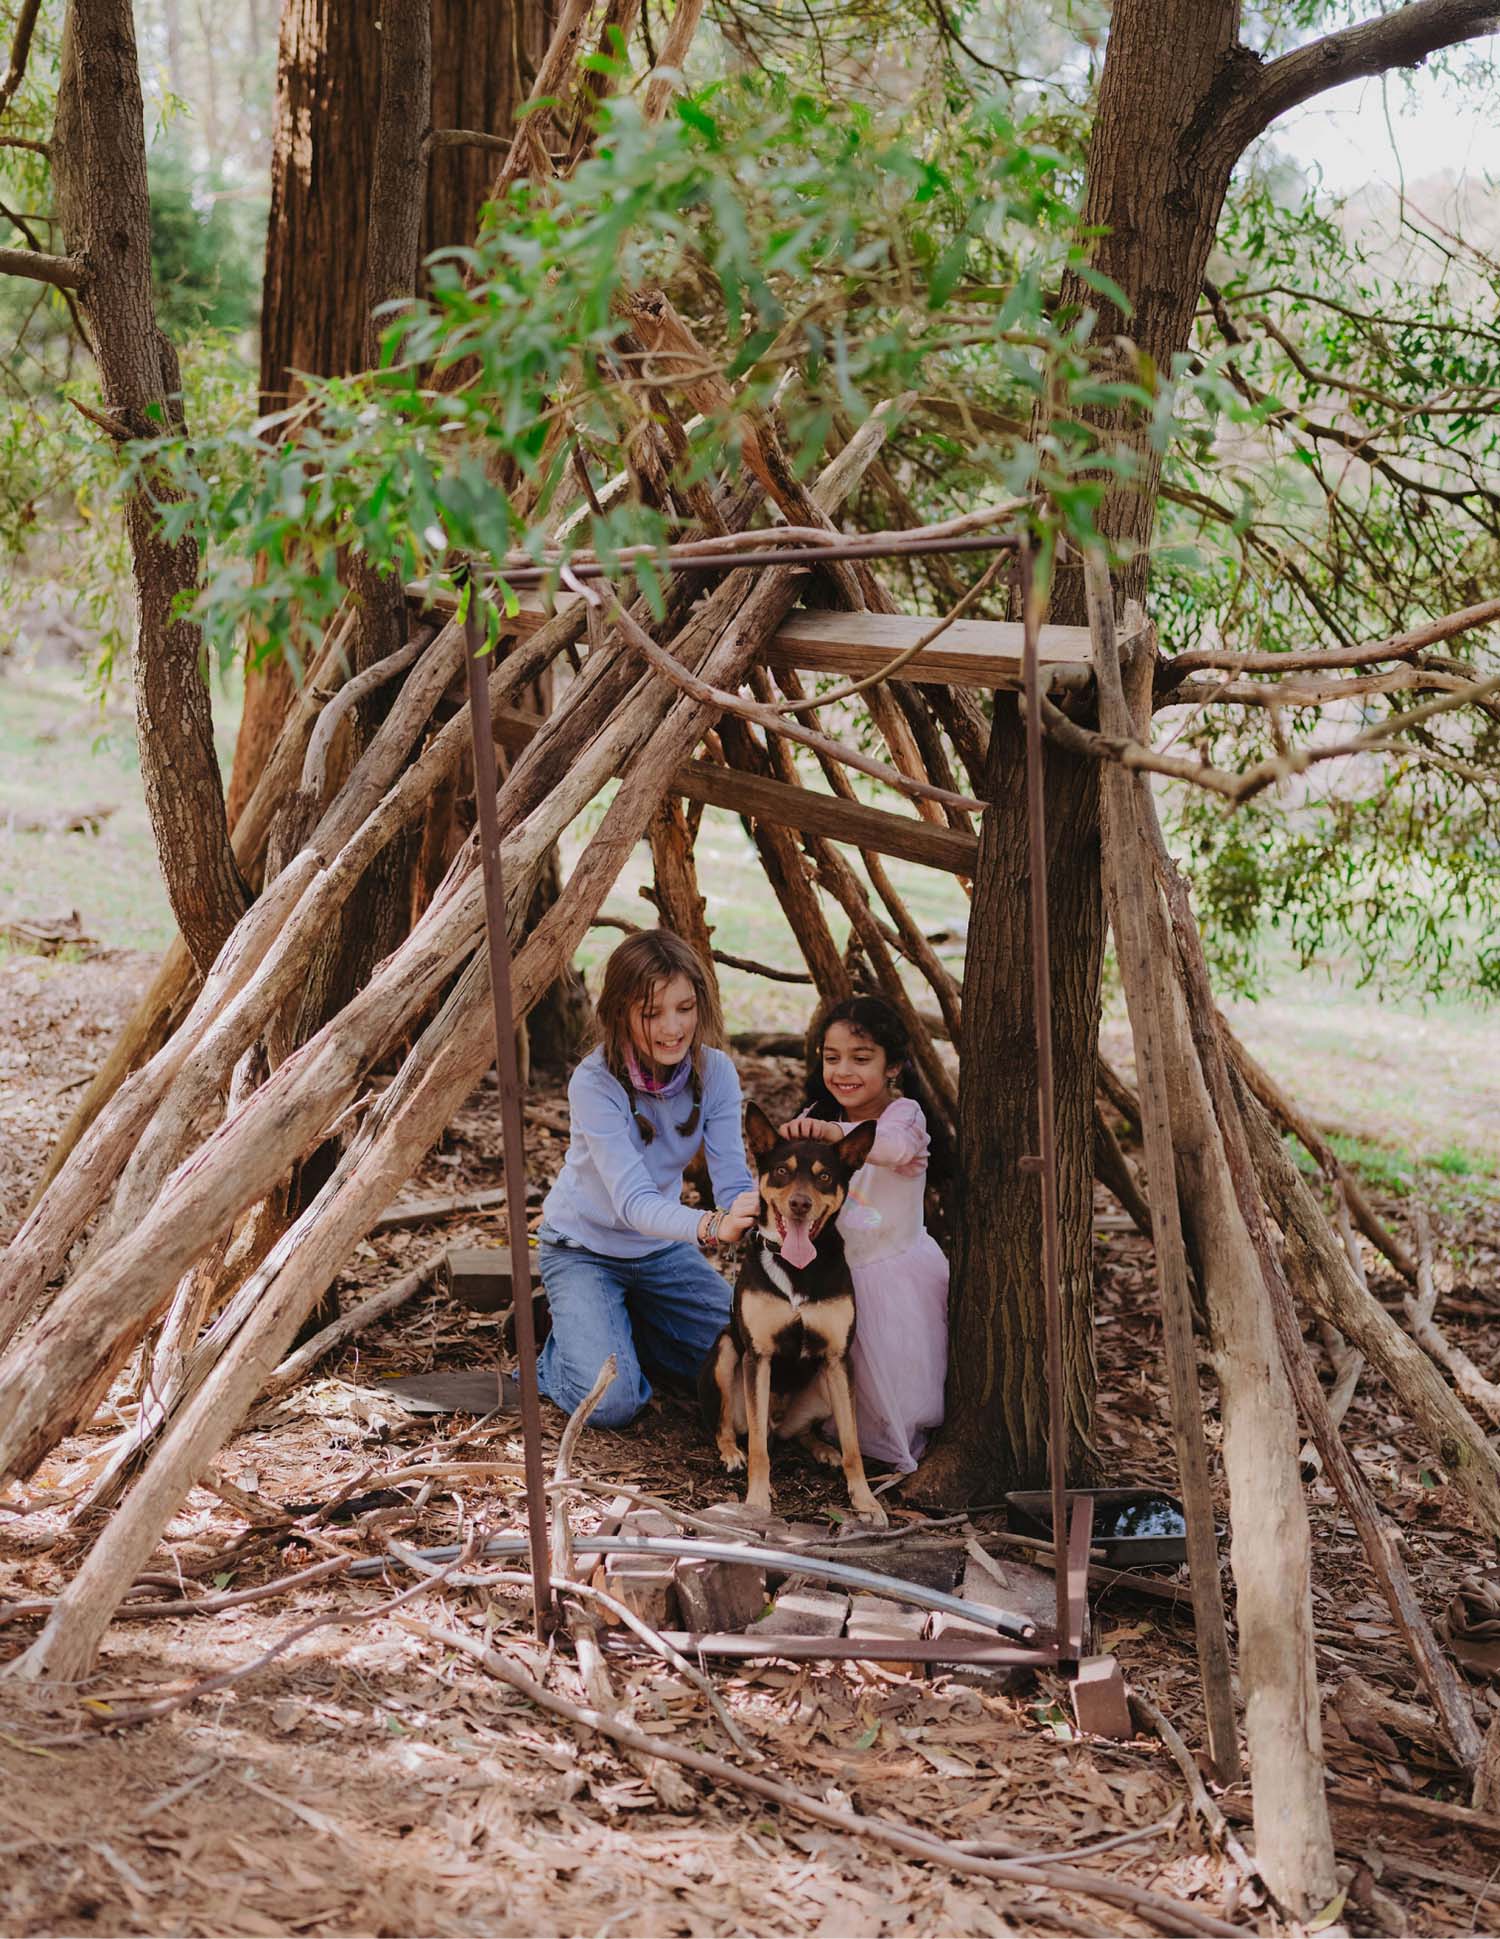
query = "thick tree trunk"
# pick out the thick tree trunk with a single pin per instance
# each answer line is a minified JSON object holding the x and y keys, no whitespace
{"x":996,"y":1432}
{"x":1157,"y":205}
{"x":316,"y":297}
{"x":99,"y":163}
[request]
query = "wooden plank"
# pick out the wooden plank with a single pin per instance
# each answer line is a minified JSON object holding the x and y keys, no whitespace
{"x":970,"y":653}
{"x":902,"y":836}
{"x":905,"y":837}
{"x":983,"y":653}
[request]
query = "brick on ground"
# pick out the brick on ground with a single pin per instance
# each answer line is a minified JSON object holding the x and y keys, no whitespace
{"x":1017,"y":1587}
{"x":933,"y":1562}
{"x":646,"y":1584}
{"x":803,"y":1609}
{"x":1025,"y":1592}
{"x":1100,"y":1705}
{"x":881,"y":1616}
{"x":719,"y":1597}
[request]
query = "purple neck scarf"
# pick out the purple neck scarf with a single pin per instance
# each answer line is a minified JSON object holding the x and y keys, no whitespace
{"x":653,"y":1086}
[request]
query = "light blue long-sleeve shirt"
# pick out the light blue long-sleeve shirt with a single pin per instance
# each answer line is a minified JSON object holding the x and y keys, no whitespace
{"x":618,"y":1195}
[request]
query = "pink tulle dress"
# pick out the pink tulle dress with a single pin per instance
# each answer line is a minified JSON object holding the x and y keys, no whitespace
{"x":900,"y":1353}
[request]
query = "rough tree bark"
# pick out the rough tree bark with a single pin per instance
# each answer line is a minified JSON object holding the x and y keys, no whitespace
{"x":1179,"y":102}
{"x":996,"y":1437}
{"x":103,"y":202}
{"x":315,"y":306}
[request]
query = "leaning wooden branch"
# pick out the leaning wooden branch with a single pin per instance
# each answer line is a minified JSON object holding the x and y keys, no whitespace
{"x":62,"y":272}
{"x":348,"y":1326}
{"x":1136,"y":923}
{"x":1379,"y":1543}
{"x":1329,"y":1287}
{"x":1271,"y":1552}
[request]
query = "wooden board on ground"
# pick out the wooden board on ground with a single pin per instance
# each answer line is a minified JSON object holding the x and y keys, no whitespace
{"x":466,"y":1391}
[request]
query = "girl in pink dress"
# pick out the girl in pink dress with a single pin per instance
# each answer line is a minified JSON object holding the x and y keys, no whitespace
{"x":861,"y":1059}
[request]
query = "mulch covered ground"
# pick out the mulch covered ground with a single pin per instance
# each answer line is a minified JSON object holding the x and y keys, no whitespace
{"x":369,"y":1780}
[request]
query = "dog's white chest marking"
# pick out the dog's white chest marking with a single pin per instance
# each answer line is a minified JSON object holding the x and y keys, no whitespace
{"x":778,"y":1276}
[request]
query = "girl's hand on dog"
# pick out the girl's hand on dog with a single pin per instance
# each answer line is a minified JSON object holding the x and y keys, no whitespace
{"x":738,"y":1220}
{"x":813,"y":1128}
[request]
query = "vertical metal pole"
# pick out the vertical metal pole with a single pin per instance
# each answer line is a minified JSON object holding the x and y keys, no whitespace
{"x":1046,"y":1156}
{"x":486,"y":786}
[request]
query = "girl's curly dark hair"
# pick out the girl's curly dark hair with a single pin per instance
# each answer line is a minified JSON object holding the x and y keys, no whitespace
{"x":873,"y":1017}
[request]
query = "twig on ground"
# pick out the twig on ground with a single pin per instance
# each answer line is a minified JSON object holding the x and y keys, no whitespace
{"x":671,"y":1789}
{"x":1215,"y":1823}
{"x":388,"y":1300}
{"x":129,"y":1612}
{"x":1420,"y":1312}
{"x":622,"y":1613}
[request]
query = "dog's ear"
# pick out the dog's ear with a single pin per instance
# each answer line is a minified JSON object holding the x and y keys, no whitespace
{"x":760,"y":1134}
{"x":853,"y":1150}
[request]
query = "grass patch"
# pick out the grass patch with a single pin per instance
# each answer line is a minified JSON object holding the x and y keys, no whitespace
{"x":1450,"y":1180}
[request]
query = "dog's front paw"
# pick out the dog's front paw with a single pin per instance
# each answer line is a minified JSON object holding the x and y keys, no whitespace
{"x":733,"y":1459}
{"x":823,"y":1454}
{"x":870,"y":1510}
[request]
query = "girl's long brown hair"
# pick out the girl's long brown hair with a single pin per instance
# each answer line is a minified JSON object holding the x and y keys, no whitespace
{"x":634,"y":973}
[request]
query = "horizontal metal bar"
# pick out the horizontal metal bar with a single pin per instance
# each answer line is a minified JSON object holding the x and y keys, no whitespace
{"x":857,"y":1649}
{"x":1004,"y":1622}
{"x":674,"y":560}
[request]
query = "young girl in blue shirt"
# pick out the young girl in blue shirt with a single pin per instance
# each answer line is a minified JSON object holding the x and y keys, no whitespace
{"x":626,"y":1265}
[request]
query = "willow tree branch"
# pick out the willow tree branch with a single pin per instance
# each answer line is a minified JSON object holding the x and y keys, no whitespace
{"x":20,"y":49}
{"x":1401,"y":646}
{"x":62,"y":272}
{"x":1402,"y":38}
{"x":464,"y":138}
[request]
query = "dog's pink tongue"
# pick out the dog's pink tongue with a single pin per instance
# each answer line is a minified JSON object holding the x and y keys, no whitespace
{"x":797,"y":1247}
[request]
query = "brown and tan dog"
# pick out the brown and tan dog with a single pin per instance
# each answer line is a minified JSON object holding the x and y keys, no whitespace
{"x":783,"y":1358}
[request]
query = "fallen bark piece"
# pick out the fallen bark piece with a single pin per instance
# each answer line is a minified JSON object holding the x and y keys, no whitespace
{"x":801,"y":1610}
{"x":47,"y":935}
{"x":719,"y":1596}
{"x":1100,"y":1706}
{"x":477,"y":1390}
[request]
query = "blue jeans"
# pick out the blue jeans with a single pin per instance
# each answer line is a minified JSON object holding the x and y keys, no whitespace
{"x":666,"y":1309}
